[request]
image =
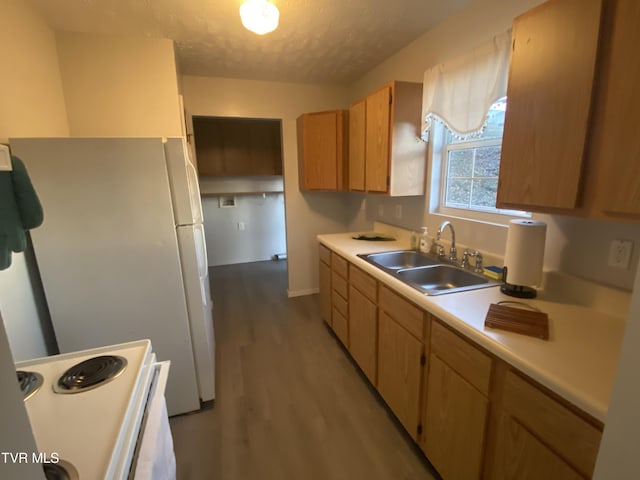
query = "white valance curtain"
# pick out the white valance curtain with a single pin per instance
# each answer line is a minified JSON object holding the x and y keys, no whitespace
{"x":460,"y":92}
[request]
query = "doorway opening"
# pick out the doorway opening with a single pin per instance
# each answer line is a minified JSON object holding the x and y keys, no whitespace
{"x":240,"y":173}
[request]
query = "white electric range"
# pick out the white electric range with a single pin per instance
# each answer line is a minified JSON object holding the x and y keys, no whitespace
{"x":101,"y":413}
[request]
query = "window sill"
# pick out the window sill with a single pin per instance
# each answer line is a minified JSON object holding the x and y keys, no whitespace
{"x":486,"y":218}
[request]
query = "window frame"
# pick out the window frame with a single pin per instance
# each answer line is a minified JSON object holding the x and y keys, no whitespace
{"x":438,"y":152}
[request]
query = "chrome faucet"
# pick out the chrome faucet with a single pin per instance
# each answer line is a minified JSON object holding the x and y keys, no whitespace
{"x":453,"y":253}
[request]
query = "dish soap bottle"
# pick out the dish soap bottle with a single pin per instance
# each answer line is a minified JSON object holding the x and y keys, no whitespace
{"x":423,"y":245}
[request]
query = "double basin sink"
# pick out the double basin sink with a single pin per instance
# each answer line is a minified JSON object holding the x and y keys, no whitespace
{"x":427,"y":273}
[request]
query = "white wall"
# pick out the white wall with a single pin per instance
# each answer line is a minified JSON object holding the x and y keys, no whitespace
{"x":576,"y":246}
{"x":119,"y":86}
{"x":32,"y":104}
{"x":307,"y":214}
{"x":263,"y":235}
{"x":618,"y":457}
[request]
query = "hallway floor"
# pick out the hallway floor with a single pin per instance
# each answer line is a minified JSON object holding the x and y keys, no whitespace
{"x":290,"y":403}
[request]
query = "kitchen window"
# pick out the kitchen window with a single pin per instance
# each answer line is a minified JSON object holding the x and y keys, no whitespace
{"x":471,"y":164}
{"x":464,"y":104}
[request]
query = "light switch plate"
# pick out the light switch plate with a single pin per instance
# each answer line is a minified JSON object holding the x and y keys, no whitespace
{"x":620,"y":253}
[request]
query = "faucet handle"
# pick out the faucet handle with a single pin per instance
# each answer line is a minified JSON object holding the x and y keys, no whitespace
{"x":479,"y":268}
{"x":465,"y":258}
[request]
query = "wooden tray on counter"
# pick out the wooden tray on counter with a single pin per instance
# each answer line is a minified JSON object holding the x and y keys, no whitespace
{"x":519,"y":318}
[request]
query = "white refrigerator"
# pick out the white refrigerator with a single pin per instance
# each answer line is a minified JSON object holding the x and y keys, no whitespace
{"x":121,"y":252}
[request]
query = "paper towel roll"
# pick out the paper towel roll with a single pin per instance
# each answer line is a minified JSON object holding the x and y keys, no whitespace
{"x":525,"y":252}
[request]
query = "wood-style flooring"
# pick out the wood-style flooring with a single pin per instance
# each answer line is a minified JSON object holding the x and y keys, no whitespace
{"x":290,"y":403}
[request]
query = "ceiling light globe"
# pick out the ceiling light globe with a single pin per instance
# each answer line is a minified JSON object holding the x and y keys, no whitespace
{"x":259,"y":16}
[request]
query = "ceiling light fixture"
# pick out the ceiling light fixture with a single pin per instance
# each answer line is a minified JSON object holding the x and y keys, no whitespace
{"x":259,"y":16}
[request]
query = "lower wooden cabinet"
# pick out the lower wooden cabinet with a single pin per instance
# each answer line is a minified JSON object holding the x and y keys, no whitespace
{"x":325,"y":291}
{"x":340,"y":298}
{"x":472,"y":414}
{"x":400,"y":358}
{"x":363,"y":333}
{"x":455,"y":422}
{"x":521,"y":456}
{"x":456,"y":405}
{"x":340,"y":325}
{"x":540,"y":433}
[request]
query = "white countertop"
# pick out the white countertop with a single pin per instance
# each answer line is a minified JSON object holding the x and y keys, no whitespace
{"x":579,"y":360}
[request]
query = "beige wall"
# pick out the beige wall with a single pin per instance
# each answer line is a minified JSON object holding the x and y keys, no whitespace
{"x":31,"y":104}
{"x":575,"y":246}
{"x":31,"y":98}
{"x":119,"y":86}
{"x":306,"y":214}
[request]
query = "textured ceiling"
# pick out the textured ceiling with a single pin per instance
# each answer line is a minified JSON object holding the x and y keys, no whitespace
{"x":318,"y":41}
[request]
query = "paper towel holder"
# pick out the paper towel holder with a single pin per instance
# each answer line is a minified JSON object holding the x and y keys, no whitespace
{"x":519,"y":291}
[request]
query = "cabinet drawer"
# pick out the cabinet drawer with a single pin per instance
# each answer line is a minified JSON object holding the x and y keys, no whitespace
{"x":339,"y":303}
{"x":339,"y":265}
{"x":339,"y":284}
{"x":555,"y":424}
{"x":340,"y":326}
{"x":403,"y":312}
{"x":325,"y":255}
{"x":472,"y":364}
{"x":363,"y":282}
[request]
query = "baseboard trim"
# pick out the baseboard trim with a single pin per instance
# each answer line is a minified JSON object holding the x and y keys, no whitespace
{"x":301,"y":293}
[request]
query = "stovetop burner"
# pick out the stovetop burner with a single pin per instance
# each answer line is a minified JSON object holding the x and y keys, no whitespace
{"x":60,"y":471}
{"x":90,"y":374}
{"x":30,"y":383}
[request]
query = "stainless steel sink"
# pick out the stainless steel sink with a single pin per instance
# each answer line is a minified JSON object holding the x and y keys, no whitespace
{"x":441,"y":279}
{"x":427,"y":273}
{"x":400,"y":260}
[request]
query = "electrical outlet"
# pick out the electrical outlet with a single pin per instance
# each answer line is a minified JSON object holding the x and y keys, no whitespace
{"x":398,"y":212}
{"x":380,"y":210}
{"x":240,"y":226}
{"x":620,"y":253}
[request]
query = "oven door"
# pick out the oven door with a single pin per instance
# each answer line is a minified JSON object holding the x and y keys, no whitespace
{"x":154,"y":458}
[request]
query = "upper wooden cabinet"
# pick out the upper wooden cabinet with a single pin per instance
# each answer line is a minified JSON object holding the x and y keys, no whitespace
{"x":322,"y":147}
{"x":357,"y":126}
{"x":570,"y":142}
{"x":237,"y":146}
{"x":613,"y":166}
{"x":552,"y":66}
{"x":386,"y":152}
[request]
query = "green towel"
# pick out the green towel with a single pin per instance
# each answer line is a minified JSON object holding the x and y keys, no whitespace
{"x":20,"y":210}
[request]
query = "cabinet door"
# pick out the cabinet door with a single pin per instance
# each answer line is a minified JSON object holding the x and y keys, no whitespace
{"x":617,"y":130}
{"x":318,"y":151}
{"x":325,"y":292}
{"x":521,"y":456}
{"x":363,"y":332}
{"x":378,"y":121}
{"x":456,"y":414}
{"x":357,"y":130}
{"x":551,"y":75}
{"x":340,"y":325}
{"x":399,"y":371}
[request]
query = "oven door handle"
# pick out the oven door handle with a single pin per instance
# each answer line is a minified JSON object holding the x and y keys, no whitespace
{"x":155,"y":458}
